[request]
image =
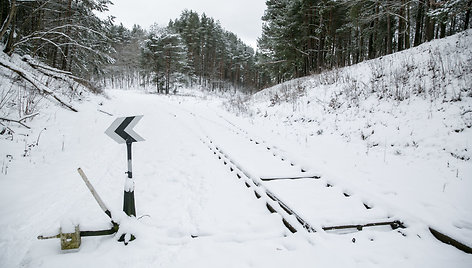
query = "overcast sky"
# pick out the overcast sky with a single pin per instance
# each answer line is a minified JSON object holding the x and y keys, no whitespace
{"x":242,"y":17}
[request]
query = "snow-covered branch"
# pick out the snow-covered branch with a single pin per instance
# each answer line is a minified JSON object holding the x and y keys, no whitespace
{"x":36,"y":84}
{"x":15,"y":121}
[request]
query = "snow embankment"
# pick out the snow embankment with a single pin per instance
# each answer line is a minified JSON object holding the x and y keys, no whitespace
{"x":417,"y":99}
{"x":25,"y":82}
{"x":396,"y":129}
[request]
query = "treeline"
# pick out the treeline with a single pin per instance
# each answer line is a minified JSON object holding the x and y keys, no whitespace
{"x":126,"y":71}
{"x":65,"y":34}
{"x":301,"y":37}
{"x":215,"y":57}
{"x":192,"y":50}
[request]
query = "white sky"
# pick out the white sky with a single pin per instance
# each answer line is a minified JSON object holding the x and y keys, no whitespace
{"x":242,"y":17}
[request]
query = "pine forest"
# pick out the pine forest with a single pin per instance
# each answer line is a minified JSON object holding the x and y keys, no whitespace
{"x":300,"y":37}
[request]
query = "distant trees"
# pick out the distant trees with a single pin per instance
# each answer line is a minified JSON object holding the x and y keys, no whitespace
{"x":194,"y":50}
{"x":299,"y":37}
{"x":306,"y":36}
{"x":216,"y":58}
{"x":165,"y":54}
{"x":125,"y":71}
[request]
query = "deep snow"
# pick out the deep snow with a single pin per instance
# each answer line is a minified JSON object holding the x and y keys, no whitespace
{"x":184,"y":189}
{"x":405,"y":159}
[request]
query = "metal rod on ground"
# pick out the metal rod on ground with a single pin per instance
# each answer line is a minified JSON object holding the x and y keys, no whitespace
{"x":128,"y":200}
{"x":451,"y":241}
{"x":94,"y":193}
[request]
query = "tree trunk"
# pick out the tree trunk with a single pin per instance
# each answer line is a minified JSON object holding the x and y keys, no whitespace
{"x":67,"y":33}
{"x":373,"y":49}
{"x":168,"y":60}
{"x":401,"y":27}
{"x":467,"y":15}
{"x":11,"y":35}
{"x":429,"y":22}
{"x":389,"y":34}
{"x":358,"y":45}
{"x":71,"y":58}
{"x":419,"y":23}
{"x":408,"y":26}
{"x":320,"y":46}
{"x":320,"y":52}
{"x":370,"y":49}
{"x":442,"y":32}
{"x":9,"y":19}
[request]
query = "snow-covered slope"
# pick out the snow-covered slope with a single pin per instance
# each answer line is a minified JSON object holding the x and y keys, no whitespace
{"x":401,"y":100}
{"x":397,"y":128}
{"x":403,"y":149}
{"x":184,"y":190}
{"x":26,"y":85}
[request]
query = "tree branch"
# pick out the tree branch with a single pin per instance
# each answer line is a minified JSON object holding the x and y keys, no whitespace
{"x":10,"y":16}
{"x":36,"y":65}
{"x":28,"y":116}
{"x":15,"y":121}
{"x":51,"y":72}
{"x":36,"y":84}
{"x":9,"y":129}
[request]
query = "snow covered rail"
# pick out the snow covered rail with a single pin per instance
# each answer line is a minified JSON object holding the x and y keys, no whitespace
{"x":393,"y":223}
{"x":311,"y":202}
{"x":291,"y":219}
{"x":450,"y":241}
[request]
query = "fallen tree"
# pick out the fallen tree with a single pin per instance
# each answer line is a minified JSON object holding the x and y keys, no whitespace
{"x":43,"y":89}
{"x":56,"y":73}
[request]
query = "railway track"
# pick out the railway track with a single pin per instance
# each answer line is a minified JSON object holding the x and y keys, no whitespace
{"x":305,"y":201}
{"x":291,"y":219}
{"x":262,"y":184}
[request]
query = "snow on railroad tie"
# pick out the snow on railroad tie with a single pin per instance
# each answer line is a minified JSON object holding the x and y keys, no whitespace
{"x":307,"y":201}
{"x":314,"y":198}
{"x":325,"y":205}
{"x":354,"y":214}
{"x":258,"y":159}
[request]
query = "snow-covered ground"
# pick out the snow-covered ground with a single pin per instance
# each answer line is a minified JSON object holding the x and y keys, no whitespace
{"x":185,"y":190}
{"x":405,"y":156}
{"x":398,"y":127}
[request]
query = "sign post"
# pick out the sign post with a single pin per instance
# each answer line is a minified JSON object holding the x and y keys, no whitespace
{"x":121,"y":130}
{"x":128,"y":200}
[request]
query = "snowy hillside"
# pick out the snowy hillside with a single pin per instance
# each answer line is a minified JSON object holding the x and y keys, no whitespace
{"x":398,"y":127}
{"x":26,"y":85}
{"x":399,"y":100}
{"x":350,"y":168}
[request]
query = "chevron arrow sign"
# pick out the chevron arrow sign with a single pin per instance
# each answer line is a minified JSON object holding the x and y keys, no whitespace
{"x":121,"y":130}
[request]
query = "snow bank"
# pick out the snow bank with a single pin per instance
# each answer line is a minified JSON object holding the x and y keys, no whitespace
{"x":398,"y":141}
{"x":396,"y":130}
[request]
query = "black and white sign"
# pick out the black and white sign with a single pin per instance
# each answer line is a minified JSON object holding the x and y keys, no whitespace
{"x":121,"y":130}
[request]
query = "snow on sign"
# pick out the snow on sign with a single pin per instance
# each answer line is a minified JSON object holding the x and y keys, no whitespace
{"x":121,"y":130}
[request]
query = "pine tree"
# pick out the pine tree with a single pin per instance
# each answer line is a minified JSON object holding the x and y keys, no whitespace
{"x":166,"y":52}
{"x":216,"y":58}
{"x":65,"y":34}
{"x":300,"y":37}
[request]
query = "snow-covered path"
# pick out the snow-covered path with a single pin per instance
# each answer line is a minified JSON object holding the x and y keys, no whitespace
{"x":179,"y":184}
{"x":183,"y":190}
